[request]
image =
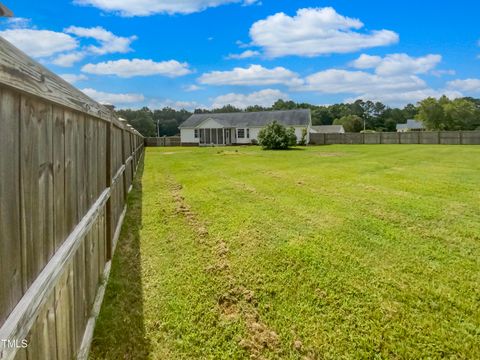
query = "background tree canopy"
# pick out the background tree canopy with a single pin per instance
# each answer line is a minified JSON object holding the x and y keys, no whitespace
{"x":446,"y":114}
{"x":436,"y":114}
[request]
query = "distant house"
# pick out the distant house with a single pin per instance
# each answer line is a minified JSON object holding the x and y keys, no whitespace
{"x":411,"y":125}
{"x":327,"y":129}
{"x":239,"y":128}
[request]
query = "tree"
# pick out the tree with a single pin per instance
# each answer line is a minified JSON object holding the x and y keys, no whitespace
{"x":432,"y":114}
{"x":227,"y":109}
{"x":141,"y":120}
{"x":351,"y":123}
{"x":446,"y":114}
{"x":303,"y":140}
{"x":462,"y":114}
{"x":284,"y":105}
{"x":276,"y":137}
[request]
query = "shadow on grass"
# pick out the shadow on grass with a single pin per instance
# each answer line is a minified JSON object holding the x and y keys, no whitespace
{"x":120,"y":328}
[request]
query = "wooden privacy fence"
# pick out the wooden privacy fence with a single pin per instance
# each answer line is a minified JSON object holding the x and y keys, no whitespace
{"x":413,"y":137}
{"x":162,"y":141}
{"x":66,"y":166}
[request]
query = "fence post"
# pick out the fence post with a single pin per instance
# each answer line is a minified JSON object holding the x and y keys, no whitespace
{"x":108,"y":206}
{"x":124,"y":162}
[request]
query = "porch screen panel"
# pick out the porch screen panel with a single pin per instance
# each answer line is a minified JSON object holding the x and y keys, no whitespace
{"x":207,"y":136}
{"x":214,"y":136}
{"x":202,"y":136}
{"x":220,"y":136}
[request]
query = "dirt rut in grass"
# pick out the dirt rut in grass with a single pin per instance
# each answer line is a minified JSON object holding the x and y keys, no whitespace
{"x":237,"y":302}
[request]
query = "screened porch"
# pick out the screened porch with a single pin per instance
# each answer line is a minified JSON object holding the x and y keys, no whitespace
{"x":216,"y":136}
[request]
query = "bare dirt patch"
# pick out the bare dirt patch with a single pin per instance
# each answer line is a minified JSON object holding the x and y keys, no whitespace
{"x":237,"y":302}
{"x":182,"y":208}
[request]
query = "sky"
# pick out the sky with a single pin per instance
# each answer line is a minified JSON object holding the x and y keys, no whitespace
{"x":210,"y":53}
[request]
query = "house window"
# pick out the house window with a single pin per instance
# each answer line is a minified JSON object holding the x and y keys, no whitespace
{"x":241,"y":133}
{"x":248,"y":133}
{"x":196,"y":134}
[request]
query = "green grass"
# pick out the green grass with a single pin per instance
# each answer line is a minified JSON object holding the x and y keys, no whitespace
{"x":325,"y":252}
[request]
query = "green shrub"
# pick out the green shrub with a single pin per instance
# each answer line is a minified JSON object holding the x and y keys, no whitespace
{"x":303,"y":141}
{"x":254,"y":142}
{"x":277,"y":137}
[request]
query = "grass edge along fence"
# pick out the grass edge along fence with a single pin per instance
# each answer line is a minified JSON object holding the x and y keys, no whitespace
{"x":66,"y":167}
{"x":413,"y":137}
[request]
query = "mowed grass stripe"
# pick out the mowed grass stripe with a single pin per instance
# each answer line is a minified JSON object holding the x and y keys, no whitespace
{"x":348,"y":252}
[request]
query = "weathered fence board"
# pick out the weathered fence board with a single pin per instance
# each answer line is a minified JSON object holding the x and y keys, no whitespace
{"x":414,"y":137}
{"x":11,"y":264}
{"x":61,"y":209}
{"x":20,"y":72}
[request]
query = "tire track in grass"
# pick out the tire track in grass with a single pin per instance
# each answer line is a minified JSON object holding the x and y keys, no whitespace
{"x":236,"y":303}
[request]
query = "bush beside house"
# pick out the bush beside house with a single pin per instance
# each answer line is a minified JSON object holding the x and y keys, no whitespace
{"x":277,"y":137}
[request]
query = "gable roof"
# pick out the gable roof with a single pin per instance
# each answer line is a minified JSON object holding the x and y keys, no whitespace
{"x":252,"y":119}
{"x":328,"y":129}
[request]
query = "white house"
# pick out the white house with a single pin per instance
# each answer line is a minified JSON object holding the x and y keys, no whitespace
{"x":411,"y":125}
{"x":239,"y":128}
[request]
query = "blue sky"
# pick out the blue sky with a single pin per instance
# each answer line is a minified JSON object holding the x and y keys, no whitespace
{"x":205,"y":53}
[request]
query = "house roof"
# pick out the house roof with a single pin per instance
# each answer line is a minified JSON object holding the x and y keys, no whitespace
{"x":252,"y":119}
{"x":328,"y":129}
{"x":411,"y":124}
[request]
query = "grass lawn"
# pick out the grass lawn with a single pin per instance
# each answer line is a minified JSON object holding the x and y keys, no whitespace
{"x":326,"y":252}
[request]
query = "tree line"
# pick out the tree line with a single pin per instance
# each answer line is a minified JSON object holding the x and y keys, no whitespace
{"x":436,"y":114}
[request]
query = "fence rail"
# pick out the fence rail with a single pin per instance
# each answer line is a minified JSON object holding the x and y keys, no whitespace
{"x":66,"y":166}
{"x":414,"y":137}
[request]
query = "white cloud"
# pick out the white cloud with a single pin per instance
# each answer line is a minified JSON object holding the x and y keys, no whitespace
{"x":253,"y":75}
{"x":192,"y":87}
{"x":73,"y":78}
{"x":334,"y":81}
{"x":439,"y":73}
{"x":397,"y":64}
{"x":367,"y":62}
{"x":407,"y":97}
{"x":467,"y":85}
{"x":313,"y":32}
{"x":109,"y":43}
{"x":251,"y":2}
{"x":39,"y":43}
{"x":263,"y":98}
{"x":174,"y":104}
{"x":138,"y":67}
{"x":68,"y":59}
{"x":244,"y":55}
{"x":18,"y":22}
{"x":64,"y":48}
{"x":150,"y":7}
{"x":393,"y":90}
{"x":113,"y":98}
